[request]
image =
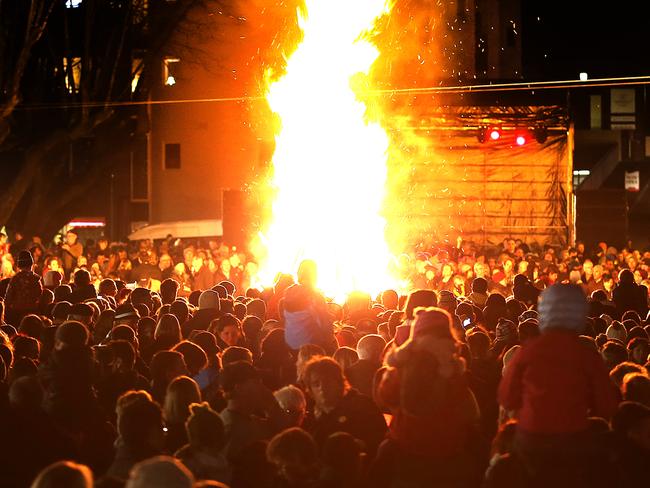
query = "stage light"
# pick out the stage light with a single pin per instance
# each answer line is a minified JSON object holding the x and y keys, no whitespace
{"x":522,"y":136}
{"x":495,"y":134}
{"x":541,"y":134}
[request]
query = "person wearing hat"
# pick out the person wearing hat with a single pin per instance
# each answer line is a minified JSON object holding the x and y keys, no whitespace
{"x":435,"y":414}
{"x":628,"y":295}
{"x":554,"y":384}
{"x":81,"y":312}
{"x":506,"y":336}
{"x":126,"y":314}
{"x":209,"y":310}
{"x":24,"y":290}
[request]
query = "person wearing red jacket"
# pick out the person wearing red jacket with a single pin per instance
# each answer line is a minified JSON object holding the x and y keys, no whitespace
{"x":553,"y":385}
{"x":433,"y":438}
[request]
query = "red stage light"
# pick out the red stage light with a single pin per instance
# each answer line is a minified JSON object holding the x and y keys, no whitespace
{"x":520,"y":140}
{"x":495,"y":134}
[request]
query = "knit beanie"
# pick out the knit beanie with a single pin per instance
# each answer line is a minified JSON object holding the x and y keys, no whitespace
{"x":563,"y":306}
{"x":617,"y":331}
{"x":447,"y":301}
{"x":204,"y":427}
{"x":209,"y":300}
{"x":528,"y":314}
{"x":419,"y":298}
{"x":126,"y":311}
{"x":431,"y":321}
{"x":506,"y":331}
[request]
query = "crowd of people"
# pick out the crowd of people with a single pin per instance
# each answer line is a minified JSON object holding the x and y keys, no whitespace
{"x":162,"y":365}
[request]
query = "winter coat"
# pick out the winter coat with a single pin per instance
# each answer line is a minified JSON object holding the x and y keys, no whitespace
{"x":23,"y":295}
{"x":355,"y":414}
{"x":554,"y":383}
{"x":434,"y":411}
{"x":200,"y":321}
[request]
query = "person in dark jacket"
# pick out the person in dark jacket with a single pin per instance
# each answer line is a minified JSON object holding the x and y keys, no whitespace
{"x":339,"y":408}
{"x":146,"y":270}
{"x":24,"y":290}
{"x":69,"y":399}
{"x":628,"y":295}
{"x":361,"y":374}
{"x":209,"y":310}
{"x":276,"y":363}
{"x":83,"y":288}
{"x":140,"y":432}
{"x":122,"y":376}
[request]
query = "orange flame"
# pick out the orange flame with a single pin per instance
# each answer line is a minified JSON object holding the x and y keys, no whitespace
{"x":329,"y":165}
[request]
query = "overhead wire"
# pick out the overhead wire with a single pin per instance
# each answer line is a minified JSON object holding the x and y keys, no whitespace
{"x":432,"y":90}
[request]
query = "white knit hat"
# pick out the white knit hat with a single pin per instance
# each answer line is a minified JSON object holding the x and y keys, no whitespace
{"x":161,"y":472}
{"x":209,"y":300}
{"x":563,"y":306}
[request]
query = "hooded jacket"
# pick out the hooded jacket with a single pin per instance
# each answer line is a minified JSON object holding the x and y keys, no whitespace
{"x":434,"y":412}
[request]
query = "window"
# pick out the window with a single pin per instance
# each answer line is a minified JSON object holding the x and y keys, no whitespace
{"x":596,"y":111}
{"x":136,"y":70}
{"x":580,"y":175}
{"x":170,"y":71}
{"x":72,"y":85}
{"x":173,"y":156}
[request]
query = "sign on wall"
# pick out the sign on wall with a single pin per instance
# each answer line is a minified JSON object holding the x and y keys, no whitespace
{"x":632,"y":181}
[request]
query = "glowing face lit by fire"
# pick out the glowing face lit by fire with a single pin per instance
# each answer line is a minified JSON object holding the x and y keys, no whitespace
{"x":329,"y":162}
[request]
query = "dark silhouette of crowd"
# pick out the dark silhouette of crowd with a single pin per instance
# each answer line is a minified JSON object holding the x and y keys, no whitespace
{"x":504,"y":367}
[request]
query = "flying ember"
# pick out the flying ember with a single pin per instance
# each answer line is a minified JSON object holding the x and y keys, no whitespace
{"x":329,"y":165}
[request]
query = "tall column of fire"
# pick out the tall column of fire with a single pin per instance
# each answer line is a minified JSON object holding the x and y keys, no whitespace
{"x":329,"y":165}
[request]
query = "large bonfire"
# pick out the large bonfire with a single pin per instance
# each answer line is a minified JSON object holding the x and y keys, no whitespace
{"x":329,"y":165}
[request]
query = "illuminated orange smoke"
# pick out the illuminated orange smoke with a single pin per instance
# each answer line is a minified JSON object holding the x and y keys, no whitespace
{"x":329,"y":166}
